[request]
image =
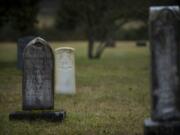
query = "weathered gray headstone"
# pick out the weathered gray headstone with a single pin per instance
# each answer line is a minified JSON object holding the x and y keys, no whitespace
{"x":65,"y":71}
{"x":38,"y":83}
{"x":21,"y":44}
{"x":38,"y":73}
{"x":165,"y":50}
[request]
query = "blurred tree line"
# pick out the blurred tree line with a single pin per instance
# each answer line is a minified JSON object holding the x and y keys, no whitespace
{"x":99,"y":21}
{"x":102,"y":20}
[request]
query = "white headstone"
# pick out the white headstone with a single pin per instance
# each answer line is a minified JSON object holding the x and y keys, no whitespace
{"x":64,"y":71}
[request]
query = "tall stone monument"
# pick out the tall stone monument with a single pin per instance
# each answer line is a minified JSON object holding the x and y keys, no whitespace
{"x":65,"y":71}
{"x":21,"y":44}
{"x":164,"y":22}
{"x":38,"y":83}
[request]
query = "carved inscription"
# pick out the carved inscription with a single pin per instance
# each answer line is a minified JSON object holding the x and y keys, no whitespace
{"x":65,"y":60}
{"x":165,"y":62}
{"x":38,"y":76}
{"x":65,"y":71}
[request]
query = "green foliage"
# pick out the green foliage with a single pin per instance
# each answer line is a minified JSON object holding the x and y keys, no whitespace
{"x":101,"y":17}
{"x":104,"y":17}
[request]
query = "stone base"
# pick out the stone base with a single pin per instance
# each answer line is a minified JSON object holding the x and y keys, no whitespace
{"x":161,"y":128}
{"x":37,"y":115}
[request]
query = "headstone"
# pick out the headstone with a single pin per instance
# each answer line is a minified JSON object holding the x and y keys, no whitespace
{"x":21,"y":44}
{"x":165,"y":59}
{"x":65,"y":71}
{"x":38,"y":83}
{"x":38,"y":76}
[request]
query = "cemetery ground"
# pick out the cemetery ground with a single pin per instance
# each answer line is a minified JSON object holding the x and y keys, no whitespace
{"x":112,"y":93}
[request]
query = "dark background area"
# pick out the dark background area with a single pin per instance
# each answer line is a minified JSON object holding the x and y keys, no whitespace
{"x":67,"y":19}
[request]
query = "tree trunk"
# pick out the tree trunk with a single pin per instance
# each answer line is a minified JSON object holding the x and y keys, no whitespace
{"x":90,"y":45}
{"x":100,"y":50}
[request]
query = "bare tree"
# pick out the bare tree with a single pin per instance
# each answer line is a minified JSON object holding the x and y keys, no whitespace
{"x":101,"y":19}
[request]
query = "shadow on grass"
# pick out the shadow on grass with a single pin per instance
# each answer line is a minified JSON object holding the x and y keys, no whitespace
{"x":7,"y":64}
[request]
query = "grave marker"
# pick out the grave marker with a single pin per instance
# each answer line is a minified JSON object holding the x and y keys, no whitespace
{"x":165,"y":59}
{"x":38,"y":76}
{"x":38,"y":83}
{"x":65,"y":71}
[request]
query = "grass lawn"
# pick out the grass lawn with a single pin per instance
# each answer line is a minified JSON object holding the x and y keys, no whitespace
{"x":112,"y":93}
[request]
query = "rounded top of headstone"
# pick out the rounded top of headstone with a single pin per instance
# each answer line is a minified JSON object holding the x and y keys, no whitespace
{"x":156,"y":11}
{"x":38,"y":40}
{"x":38,"y":43}
{"x":64,"y":49}
{"x":156,"y":8}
